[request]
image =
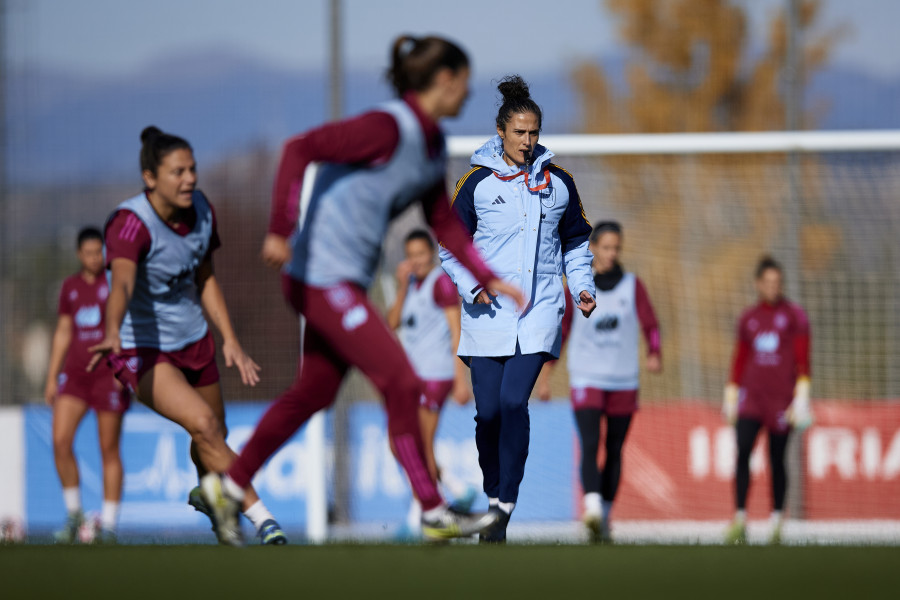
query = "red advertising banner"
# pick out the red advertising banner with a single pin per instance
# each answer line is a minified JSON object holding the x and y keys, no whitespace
{"x":679,"y":464}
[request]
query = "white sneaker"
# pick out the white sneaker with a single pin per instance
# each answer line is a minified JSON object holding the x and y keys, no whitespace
{"x":598,"y":528}
{"x":225,"y":510}
{"x":451,"y":524}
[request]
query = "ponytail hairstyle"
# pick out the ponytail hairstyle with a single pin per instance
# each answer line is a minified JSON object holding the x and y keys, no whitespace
{"x":765,"y":263}
{"x":605,"y":227}
{"x":156,"y":145}
{"x":516,"y":99}
{"x":415,"y":61}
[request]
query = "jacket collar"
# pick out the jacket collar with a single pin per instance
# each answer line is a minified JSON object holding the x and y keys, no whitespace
{"x":490,"y":155}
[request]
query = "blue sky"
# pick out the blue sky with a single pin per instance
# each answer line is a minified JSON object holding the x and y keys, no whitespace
{"x":114,"y":37}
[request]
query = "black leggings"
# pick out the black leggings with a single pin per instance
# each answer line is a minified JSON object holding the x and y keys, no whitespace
{"x":747,"y":430}
{"x":606,"y":480}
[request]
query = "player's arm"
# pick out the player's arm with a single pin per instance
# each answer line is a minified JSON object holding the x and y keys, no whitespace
{"x":456,"y":240}
{"x":123,"y":275}
{"x":742,"y":351}
{"x":460,"y":392}
{"x":213,"y":301}
{"x":544,"y":393}
{"x":800,"y":412}
{"x":368,"y":139}
{"x":649,"y":326}
{"x":543,"y":383}
{"x":396,"y":309}
{"x":463,"y":207}
{"x":446,"y":297}
{"x":574,"y":231}
{"x":127,"y":243}
{"x":62,"y":339}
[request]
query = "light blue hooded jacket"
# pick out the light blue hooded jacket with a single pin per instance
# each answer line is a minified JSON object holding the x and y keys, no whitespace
{"x":530,"y":235}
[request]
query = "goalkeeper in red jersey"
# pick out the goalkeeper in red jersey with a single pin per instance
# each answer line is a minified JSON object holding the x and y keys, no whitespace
{"x":769,"y":387}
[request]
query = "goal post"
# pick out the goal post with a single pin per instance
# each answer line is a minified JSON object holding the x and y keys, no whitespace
{"x":698,"y":211}
{"x":702,"y":143}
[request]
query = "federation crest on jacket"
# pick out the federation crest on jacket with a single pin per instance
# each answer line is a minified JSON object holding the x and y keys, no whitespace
{"x":530,"y":227}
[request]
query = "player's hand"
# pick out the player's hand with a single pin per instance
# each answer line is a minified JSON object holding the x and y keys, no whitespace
{"x":730,"y":403}
{"x":654,"y":363}
{"x":497,"y":287}
{"x":111,"y":344}
{"x":483,"y":297}
{"x":543,"y":390}
{"x":586,"y":303}
{"x":276,"y":251}
{"x":460,"y":392}
{"x":404,"y":270}
{"x":51,"y":391}
{"x":799,"y":414}
{"x":236,"y":357}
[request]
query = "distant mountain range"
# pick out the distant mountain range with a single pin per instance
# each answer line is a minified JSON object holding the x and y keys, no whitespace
{"x":77,"y":129}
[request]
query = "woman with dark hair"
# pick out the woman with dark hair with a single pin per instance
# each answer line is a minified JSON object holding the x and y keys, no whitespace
{"x":525,"y":217}
{"x":768,"y":387}
{"x":72,"y":391}
{"x":425,"y":315}
{"x":350,"y":179}
{"x":604,"y":369}
{"x":159,"y":250}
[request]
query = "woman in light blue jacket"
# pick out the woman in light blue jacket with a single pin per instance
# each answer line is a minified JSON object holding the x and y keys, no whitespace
{"x":526,"y":220}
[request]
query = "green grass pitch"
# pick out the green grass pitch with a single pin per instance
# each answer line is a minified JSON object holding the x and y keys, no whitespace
{"x":464,"y":571}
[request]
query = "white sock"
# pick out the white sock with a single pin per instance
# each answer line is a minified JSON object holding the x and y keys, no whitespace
{"x":230,"y":487}
{"x":592,"y":503}
{"x":258,"y":513}
{"x":606,"y":508}
{"x":507,"y":507}
{"x":492,"y":502}
{"x":740,"y":516}
{"x":414,"y":515}
{"x":776,"y":518}
{"x":109,"y":515}
{"x":433,"y":513}
{"x":72,"y":500}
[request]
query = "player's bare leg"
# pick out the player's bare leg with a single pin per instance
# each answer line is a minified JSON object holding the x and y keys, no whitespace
{"x":267,"y":528}
{"x":109,"y":429}
{"x":463,"y":495}
{"x":68,"y":411}
{"x":165,"y":390}
{"x":428,"y":421}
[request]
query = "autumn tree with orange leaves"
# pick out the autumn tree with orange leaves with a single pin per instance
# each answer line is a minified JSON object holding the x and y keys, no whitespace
{"x":690,"y":68}
{"x":696,"y":224}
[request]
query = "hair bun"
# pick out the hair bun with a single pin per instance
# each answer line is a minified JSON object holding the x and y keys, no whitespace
{"x":513,"y":87}
{"x":149,"y":133}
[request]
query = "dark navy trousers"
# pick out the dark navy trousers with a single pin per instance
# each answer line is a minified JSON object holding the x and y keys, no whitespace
{"x":502,"y":386}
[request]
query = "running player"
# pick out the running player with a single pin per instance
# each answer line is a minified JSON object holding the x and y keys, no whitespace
{"x":353,"y":177}
{"x":159,"y":250}
{"x":426,"y":314}
{"x":524,"y":213}
{"x":71,"y":390}
{"x":769,"y":387}
{"x":603,"y":368}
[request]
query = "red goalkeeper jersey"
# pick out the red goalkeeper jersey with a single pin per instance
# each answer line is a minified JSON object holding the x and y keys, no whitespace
{"x":772,"y":350}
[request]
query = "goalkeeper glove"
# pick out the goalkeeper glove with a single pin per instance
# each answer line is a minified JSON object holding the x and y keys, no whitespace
{"x":798,"y":413}
{"x":730,"y":403}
